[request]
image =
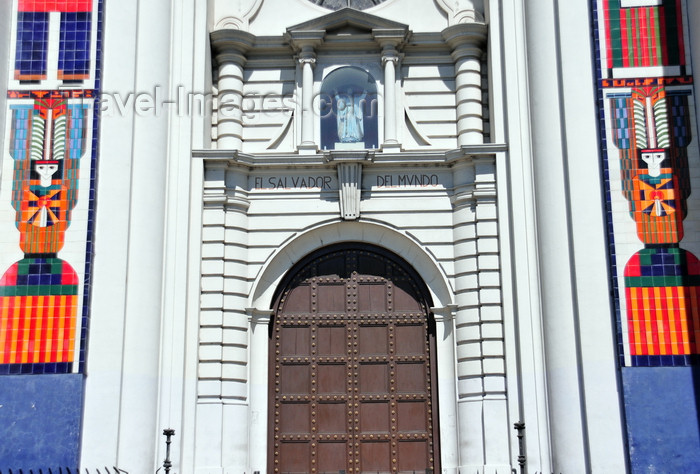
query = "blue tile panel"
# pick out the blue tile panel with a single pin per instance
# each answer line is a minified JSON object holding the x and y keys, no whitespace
{"x":32,"y":45}
{"x":40,"y":419}
{"x":662,"y":419}
{"x":74,"y":45}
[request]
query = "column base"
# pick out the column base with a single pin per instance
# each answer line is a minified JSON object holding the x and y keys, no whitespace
{"x":308,"y":148}
{"x":391,"y":146}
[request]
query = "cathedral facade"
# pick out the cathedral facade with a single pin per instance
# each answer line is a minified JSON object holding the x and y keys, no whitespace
{"x":369,"y":236}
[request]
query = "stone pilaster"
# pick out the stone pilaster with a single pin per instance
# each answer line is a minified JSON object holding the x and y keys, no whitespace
{"x":468,"y":41}
{"x":230,"y":47}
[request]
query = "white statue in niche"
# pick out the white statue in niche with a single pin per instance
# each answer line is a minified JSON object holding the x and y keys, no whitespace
{"x":349,"y":117}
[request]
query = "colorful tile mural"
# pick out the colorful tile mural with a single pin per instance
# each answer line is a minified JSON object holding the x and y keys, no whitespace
{"x":47,"y":186}
{"x":646,"y":95}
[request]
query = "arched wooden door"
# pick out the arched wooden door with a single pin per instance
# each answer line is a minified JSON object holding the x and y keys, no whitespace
{"x":353,"y":373}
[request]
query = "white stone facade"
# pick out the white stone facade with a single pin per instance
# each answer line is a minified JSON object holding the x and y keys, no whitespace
{"x":475,"y":187}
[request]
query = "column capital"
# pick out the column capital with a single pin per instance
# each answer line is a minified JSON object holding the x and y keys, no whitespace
{"x":311,"y":60}
{"x":391,"y":38}
{"x":259,"y":316}
{"x":444,"y":314}
{"x":305,"y":42}
{"x":390,"y":57}
{"x":466,"y":39}
{"x":231,"y":45}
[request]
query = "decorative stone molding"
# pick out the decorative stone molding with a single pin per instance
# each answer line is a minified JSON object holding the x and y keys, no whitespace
{"x":350,"y":188}
{"x":234,"y":14}
{"x":225,"y":186}
{"x":259,"y":317}
{"x":231,"y":23}
{"x":444,"y":314}
{"x":463,"y":11}
{"x":349,"y":166}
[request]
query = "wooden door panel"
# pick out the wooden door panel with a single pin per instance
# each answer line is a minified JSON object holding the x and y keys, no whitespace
{"x":404,"y":301}
{"x":374,"y":418}
{"x":351,"y":370}
{"x":331,"y":418}
{"x":373,"y":340}
{"x":332,"y":379}
{"x":295,"y":379}
{"x":299,"y":300}
{"x":296,"y":341}
{"x":413,"y":456}
{"x":296,"y":456}
{"x":375,"y":456}
{"x":412,"y":340}
{"x":332,"y":457}
{"x":332,"y":341}
{"x":410,"y":377}
{"x":331,"y":298}
{"x":372,"y":297}
{"x":374,"y":379}
{"x":294,"y":418}
{"x":412,"y":416}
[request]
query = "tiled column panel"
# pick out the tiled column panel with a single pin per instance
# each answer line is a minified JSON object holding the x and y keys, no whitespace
{"x":649,"y":146}
{"x":47,"y":187}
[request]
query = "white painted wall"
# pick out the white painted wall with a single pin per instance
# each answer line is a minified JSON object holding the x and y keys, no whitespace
{"x":255,"y":230}
{"x":570,"y":397}
{"x":136,"y":382}
{"x":179,"y":268}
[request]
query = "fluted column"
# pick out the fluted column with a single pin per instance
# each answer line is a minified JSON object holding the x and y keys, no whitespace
{"x":229,"y":48}
{"x":467,"y":41}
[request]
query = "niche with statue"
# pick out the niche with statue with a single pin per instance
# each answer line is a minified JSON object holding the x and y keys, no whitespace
{"x":348,"y":108}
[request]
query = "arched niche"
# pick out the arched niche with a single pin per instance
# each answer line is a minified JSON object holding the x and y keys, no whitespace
{"x":348,"y":109}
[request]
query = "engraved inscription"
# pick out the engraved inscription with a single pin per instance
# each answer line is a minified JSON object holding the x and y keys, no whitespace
{"x":292,"y":182}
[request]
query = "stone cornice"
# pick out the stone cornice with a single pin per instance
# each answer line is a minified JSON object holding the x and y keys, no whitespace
{"x":348,"y":156}
{"x":472,"y":153}
{"x":305,"y":41}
